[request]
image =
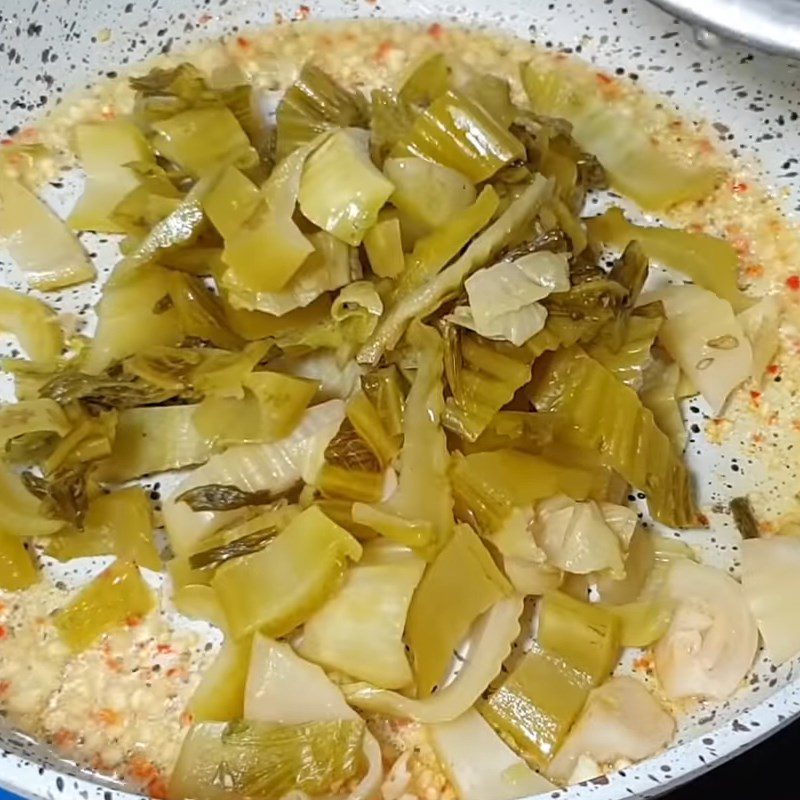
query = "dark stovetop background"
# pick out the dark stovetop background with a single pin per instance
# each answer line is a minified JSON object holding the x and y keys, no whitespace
{"x":754,"y":775}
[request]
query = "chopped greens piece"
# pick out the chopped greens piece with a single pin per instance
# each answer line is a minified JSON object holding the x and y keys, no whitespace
{"x":535,"y":706}
{"x":117,"y":596}
{"x":460,"y":584}
{"x":313,"y":105}
{"x":281,"y":586}
{"x":216,"y":497}
{"x":458,"y":133}
{"x":608,"y":417}
{"x":38,"y":242}
{"x":266,"y":760}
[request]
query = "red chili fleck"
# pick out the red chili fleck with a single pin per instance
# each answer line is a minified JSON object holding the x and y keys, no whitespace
{"x":702,"y":519}
{"x":186,"y":719}
{"x":176,"y":672}
{"x":157,"y":789}
{"x":6,"y":142}
{"x":4,"y":687}
{"x":64,"y":738}
{"x":436,"y":31}
{"x":774,"y":369}
{"x":739,"y":187}
{"x":164,"y":648}
{"x":793,"y":282}
{"x":603,"y":78}
{"x":755,"y":397}
{"x":133,"y":621}
{"x":3,"y":632}
{"x":242,"y":42}
{"x":754,"y":271}
{"x":383,"y":50}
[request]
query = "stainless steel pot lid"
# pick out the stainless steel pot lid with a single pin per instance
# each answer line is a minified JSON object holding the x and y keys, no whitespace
{"x":772,"y":25}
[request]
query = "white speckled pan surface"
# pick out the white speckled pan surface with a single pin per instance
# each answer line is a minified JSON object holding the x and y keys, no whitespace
{"x":48,"y":47}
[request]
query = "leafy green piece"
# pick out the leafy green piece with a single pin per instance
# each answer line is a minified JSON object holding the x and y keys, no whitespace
{"x":200,"y":313}
{"x":628,"y":358}
{"x":64,"y":493}
{"x":425,"y":79}
{"x":434,"y":250}
{"x":170,"y":369}
{"x":219,"y":697}
{"x":179,"y":229}
{"x":458,"y":133}
{"x":427,"y":192}
{"x":34,"y":324}
{"x":115,"y":597}
{"x":359,"y":631}
{"x":584,"y":634}
{"x":607,"y":416}
{"x":127,"y":322}
{"x":382,"y":387}
{"x":341,"y":190}
{"x":17,"y":570}
{"x":89,"y":439}
{"x":313,"y":105}
{"x":272,"y":405}
{"x":267,"y":248}
{"x":368,"y":424}
{"x":280,"y":587}
{"x":110,"y":391}
{"x":21,"y":419}
{"x":536,"y":705}
{"x":216,"y":497}
{"x":201,"y":139}
{"x":488,"y":486}
{"x":105,"y":151}
{"x":230,"y":201}
{"x":119,"y":524}
{"x":708,"y":261}
{"x":494,"y":95}
{"x":358,"y":485}
{"x":154,"y":439}
{"x":504,"y":298}
{"x":392,"y":118}
{"x":245,"y":545}
{"x":431,"y":294}
{"x":269,"y":761}
{"x":384,"y":246}
{"x":38,"y":242}
{"x":277,"y":466}
{"x":636,"y":166}
{"x":22,"y":511}
{"x":423,"y":491}
{"x":460,"y":584}
{"x":489,"y":375}
{"x":330,"y":266}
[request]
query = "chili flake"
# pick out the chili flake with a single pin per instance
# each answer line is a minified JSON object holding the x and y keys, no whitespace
{"x":435,"y":31}
{"x":793,"y":282}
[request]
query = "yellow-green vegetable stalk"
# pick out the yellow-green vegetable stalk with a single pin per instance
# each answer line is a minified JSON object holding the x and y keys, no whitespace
{"x":460,"y":584}
{"x":117,"y":596}
{"x":278,"y":588}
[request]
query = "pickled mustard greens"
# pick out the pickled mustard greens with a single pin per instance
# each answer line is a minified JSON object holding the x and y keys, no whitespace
{"x":408,"y":384}
{"x":117,"y":595}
